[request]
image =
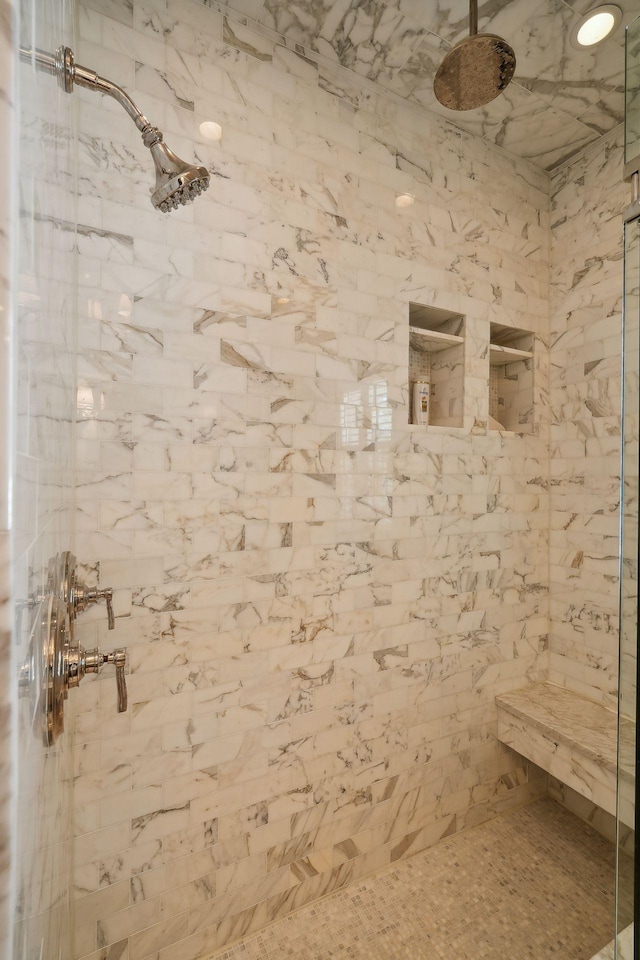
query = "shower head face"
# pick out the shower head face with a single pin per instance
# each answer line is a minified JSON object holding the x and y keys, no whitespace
{"x":177,"y":182}
{"x":180,"y":189}
{"x":474,"y":72}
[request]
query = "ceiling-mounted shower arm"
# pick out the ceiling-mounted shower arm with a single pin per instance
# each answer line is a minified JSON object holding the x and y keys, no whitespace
{"x":177,"y":182}
{"x":473,"y":18}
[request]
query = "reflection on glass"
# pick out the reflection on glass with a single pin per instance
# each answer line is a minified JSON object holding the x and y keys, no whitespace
{"x":628,"y":587}
{"x":365,"y":415}
{"x":632,"y":92}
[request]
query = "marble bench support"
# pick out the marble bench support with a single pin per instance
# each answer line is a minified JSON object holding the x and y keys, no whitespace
{"x":625,"y":947}
{"x":571,"y":737}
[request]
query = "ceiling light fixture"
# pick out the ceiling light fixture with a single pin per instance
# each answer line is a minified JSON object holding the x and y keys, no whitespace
{"x":595,"y":26}
{"x":404,"y":200}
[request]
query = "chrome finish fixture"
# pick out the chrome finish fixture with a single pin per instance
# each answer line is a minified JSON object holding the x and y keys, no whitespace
{"x":81,"y":661}
{"x":42,"y":676}
{"x":633,"y":210}
{"x":76,"y":594}
{"x":177,"y":182}
{"x":83,"y":597}
{"x":55,"y":663}
{"x":476,"y":70}
{"x":60,"y":578}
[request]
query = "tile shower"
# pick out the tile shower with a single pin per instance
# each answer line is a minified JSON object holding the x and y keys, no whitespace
{"x":320,"y":602}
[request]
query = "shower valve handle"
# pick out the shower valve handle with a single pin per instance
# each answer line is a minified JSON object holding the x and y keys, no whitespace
{"x":85,"y":596}
{"x":83,"y":661}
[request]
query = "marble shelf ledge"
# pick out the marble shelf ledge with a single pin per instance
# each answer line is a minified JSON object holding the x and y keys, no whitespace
{"x":499,"y":354}
{"x":431,"y":341}
{"x":571,"y":737}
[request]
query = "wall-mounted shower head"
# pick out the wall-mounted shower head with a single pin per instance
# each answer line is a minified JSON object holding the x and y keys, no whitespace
{"x":177,"y":182}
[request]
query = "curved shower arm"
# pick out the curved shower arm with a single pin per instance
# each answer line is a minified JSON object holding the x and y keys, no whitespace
{"x":92,"y":80}
{"x":177,"y":182}
{"x":63,"y":66}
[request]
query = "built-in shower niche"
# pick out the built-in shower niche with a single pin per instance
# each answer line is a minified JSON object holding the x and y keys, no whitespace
{"x":510,"y":379}
{"x":436,"y":354}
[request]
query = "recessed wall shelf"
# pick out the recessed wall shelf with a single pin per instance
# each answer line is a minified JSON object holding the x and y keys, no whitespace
{"x":436,"y":354}
{"x":510,"y":379}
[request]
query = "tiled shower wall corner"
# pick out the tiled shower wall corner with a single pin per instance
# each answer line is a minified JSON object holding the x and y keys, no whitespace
{"x":588,"y":197}
{"x":319,"y":602}
{"x":43,"y":305}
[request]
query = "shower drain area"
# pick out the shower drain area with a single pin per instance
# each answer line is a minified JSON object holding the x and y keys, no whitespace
{"x":535,"y":882}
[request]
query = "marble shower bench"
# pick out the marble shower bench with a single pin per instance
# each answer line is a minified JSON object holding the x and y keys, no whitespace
{"x":571,"y":737}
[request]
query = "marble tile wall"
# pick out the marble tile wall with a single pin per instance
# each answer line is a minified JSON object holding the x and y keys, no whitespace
{"x":588,"y":198}
{"x":320,"y":602}
{"x":42,"y":341}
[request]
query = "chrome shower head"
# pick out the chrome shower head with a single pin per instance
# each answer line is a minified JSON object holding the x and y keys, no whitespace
{"x":177,"y":182}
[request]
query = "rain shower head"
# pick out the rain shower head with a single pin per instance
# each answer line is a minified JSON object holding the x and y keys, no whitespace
{"x":177,"y":182}
{"x":476,"y":70}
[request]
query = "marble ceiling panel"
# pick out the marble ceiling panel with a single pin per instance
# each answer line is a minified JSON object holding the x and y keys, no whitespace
{"x":526,"y":125}
{"x":548,"y":65}
{"x":561,"y":97}
{"x":607,"y":113}
{"x":366,"y":36}
{"x":449,"y":19}
{"x":414,"y":80}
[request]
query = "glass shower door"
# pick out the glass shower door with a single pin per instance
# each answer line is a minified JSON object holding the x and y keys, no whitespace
{"x":627,"y":891}
{"x":628,"y":872}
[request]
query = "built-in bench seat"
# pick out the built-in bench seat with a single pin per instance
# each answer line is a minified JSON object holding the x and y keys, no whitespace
{"x":571,"y":737}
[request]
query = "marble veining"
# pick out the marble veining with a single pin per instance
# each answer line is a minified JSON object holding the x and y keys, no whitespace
{"x":576,"y":740}
{"x":585,"y":389}
{"x":513,"y":880}
{"x":624,"y":944}
{"x":320,"y":601}
{"x":572,"y":96}
{"x":585,"y":724}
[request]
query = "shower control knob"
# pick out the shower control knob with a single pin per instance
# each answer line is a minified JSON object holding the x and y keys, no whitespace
{"x":84,"y":597}
{"x":81,"y":661}
{"x":65,"y":583}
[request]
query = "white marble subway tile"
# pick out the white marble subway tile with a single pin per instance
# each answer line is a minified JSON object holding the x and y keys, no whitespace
{"x":304,"y":626}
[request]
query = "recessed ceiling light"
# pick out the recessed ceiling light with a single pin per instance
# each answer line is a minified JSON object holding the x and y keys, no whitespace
{"x":404,"y":200}
{"x":211,"y":130}
{"x":596,"y":25}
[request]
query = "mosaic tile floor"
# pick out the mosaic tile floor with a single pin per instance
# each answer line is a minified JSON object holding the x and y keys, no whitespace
{"x":533,"y":883}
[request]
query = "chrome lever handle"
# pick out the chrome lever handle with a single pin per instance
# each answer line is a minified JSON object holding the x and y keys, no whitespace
{"x":119,"y":658}
{"x":107,"y":595}
{"x":85,"y":596}
{"x":91,"y":661}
